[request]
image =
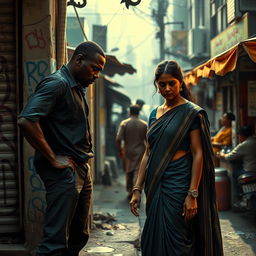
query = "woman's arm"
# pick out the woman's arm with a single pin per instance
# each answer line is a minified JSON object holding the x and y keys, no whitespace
{"x":142,"y":170}
{"x":190,"y":205}
{"x":135,"y":201}
{"x":197,"y":153}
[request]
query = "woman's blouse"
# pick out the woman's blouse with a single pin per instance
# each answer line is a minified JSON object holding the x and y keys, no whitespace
{"x":185,"y":144}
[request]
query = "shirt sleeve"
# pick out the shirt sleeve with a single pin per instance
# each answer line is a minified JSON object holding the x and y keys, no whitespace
{"x":120,"y":132}
{"x":42,"y":101}
{"x":236,"y":153}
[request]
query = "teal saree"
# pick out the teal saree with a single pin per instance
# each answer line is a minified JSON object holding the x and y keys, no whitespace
{"x":166,"y":233}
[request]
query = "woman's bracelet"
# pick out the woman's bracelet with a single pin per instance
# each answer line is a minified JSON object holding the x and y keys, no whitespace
{"x":138,"y":188}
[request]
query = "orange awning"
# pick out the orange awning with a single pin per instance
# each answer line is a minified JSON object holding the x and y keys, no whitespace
{"x":222,"y":63}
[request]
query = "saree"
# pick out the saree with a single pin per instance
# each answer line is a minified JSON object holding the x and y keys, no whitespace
{"x":166,"y":233}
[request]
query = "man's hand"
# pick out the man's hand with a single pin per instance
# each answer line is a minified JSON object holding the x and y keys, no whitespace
{"x":61,"y":162}
{"x":220,"y":155}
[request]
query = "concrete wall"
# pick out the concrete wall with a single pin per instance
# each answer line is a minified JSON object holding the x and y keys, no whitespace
{"x":39,"y":60}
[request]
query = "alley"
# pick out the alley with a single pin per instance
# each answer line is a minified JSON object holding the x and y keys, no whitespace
{"x":122,"y":237}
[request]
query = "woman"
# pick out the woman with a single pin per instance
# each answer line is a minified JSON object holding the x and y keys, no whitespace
{"x":224,"y":135}
{"x":178,"y":172}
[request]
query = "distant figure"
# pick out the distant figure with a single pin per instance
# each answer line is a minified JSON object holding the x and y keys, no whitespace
{"x":224,"y":136}
{"x":245,"y":152}
{"x":141,"y":103}
{"x":132,"y":133}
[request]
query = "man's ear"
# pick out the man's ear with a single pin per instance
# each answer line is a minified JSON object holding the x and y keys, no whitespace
{"x":79,"y":59}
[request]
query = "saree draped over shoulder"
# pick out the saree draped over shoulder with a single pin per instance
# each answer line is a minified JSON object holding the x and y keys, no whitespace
{"x":166,"y":233}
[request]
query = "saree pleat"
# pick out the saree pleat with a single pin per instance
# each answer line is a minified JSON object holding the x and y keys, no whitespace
{"x":166,"y":233}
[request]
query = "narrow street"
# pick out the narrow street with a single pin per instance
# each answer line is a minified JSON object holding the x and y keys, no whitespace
{"x":121,"y":237}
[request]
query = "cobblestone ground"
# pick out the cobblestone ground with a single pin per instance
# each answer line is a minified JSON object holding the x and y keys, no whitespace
{"x":115,"y":238}
{"x":238,"y":229}
{"x":239,"y":233}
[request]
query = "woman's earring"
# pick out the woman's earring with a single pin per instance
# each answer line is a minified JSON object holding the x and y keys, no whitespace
{"x":181,"y":89}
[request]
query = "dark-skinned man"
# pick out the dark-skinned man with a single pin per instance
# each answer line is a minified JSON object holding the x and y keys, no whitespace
{"x":55,"y":123}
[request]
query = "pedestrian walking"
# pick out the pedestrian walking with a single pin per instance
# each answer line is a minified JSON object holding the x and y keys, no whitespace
{"x":55,"y":123}
{"x":132,"y":133}
{"x":142,"y":115}
{"x":177,"y":172}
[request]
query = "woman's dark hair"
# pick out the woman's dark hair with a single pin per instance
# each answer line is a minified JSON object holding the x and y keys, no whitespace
{"x":230,"y":116}
{"x":246,"y":131}
{"x":173,"y":68}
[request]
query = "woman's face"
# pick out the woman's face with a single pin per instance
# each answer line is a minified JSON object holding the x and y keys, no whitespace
{"x":169,"y":86}
{"x":225,"y":121}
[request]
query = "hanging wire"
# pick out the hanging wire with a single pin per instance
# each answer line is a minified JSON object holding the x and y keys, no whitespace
{"x":79,"y":21}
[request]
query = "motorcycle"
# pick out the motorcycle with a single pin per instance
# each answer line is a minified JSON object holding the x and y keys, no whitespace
{"x":247,"y":182}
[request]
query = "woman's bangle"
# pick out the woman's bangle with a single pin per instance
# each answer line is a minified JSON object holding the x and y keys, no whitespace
{"x":138,"y":188}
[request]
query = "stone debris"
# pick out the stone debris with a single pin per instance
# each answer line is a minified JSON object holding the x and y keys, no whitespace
{"x":109,"y":233}
{"x":119,"y":226}
{"x":106,"y":217}
{"x":106,"y":226}
{"x":105,"y":221}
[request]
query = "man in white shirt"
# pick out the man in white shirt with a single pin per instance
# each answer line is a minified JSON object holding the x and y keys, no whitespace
{"x":245,"y":152}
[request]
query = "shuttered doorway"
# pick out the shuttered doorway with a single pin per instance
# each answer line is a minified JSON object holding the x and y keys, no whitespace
{"x":9,"y":203}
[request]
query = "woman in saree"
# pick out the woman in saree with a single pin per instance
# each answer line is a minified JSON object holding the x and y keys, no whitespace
{"x":177,"y":173}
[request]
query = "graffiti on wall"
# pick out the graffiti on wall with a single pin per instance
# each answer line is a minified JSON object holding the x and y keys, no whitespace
{"x":36,"y":205}
{"x":35,"y":39}
{"x":7,"y":126}
{"x":37,"y":36}
{"x":37,"y":70}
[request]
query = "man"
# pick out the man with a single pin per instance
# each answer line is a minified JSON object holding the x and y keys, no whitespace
{"x":140,"y":104}
{"x":132,"y":132}
{"x":244,"y":152}
{"x":55,"y":123}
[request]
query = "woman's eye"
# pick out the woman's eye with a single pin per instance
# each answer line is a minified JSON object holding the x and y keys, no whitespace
{"x":162,"y":84}
{"x":172,"y":83}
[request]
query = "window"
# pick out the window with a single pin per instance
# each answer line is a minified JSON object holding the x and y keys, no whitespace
{"x":201,"y":13}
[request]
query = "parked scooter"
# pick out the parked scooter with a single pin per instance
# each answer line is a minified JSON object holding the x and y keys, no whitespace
{"x":247,"y":181}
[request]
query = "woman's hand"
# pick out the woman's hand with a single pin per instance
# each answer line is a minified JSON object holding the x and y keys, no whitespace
{"x":135,"y":202}
{"x":61,"y":162}
{"x":189,"y":208}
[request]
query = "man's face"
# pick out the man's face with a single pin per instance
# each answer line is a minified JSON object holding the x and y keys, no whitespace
{"x":88,"y":68}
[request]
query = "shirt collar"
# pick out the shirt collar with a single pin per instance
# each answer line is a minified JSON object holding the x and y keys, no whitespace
{"x":70,"y":78}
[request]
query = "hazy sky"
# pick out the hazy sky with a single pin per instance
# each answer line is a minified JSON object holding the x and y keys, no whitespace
{"x":133,"y":32}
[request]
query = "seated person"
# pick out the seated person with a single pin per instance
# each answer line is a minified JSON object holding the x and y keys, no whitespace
{"x":245,"y":152}
{"x":224,"y":135}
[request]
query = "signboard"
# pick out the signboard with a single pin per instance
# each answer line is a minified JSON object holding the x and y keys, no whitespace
{"x":234,"y":34}
{"x":179,"y":41}
{"x":251,"y":98}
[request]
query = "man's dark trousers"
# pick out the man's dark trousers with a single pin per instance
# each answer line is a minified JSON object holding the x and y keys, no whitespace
{"x":68,"y":197}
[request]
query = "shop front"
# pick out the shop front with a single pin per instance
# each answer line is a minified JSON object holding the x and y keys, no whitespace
{"x":233,"y":75}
